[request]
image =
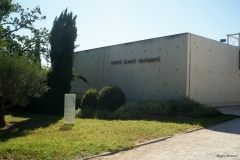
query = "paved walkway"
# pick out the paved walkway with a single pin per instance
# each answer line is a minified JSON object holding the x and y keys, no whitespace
{"x":234,"y":110}
{"x":220,"y":142}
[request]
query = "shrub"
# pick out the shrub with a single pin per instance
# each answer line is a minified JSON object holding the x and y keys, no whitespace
{"x":128,"y":111}
{"x":143,"y":109}
{"x":151,"y":108}
{"x":191,"y":108}
{"x":87,"y":112}
{"x":111,"y":98}
{"x":89,"y":99}
{"x":148,"y":109}
{"x":102,"y":114}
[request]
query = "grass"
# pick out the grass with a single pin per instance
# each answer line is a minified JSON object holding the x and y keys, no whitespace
{"x":46,"y":137}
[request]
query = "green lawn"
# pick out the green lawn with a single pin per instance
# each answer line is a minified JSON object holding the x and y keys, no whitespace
{"x":46,"y":137}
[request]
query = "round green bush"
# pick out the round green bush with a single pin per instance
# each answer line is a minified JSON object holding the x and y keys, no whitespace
{"x":110,"y":98}
{"x":89,"y":99}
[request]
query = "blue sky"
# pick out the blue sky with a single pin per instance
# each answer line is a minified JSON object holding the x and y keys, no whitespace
{"x":108,"y":22}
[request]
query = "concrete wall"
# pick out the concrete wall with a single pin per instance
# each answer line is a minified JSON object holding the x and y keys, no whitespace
{"x":88,"y":64}
{"x":214,"y":74}
{"x":158,"y":80}
{"x":190,"y":65}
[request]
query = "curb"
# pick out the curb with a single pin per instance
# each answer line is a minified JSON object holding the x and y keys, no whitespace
{"x":139,"y":145}
{"x":152,"y":141}
{"x":193,"y":130}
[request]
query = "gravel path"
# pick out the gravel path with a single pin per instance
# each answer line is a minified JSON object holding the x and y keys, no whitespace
{"x":219,"y":142}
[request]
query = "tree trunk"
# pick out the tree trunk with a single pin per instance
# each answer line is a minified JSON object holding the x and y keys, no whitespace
{"x":2,"y":119}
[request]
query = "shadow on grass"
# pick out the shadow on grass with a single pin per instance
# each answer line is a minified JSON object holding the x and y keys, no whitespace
{"x":35,"y":121}
{"x":23,"y":128}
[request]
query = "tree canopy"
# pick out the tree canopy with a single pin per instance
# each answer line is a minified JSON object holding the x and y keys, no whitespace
{"x":20,"y":74}
{"x":19,"y":80}
{"x":33,"y":46}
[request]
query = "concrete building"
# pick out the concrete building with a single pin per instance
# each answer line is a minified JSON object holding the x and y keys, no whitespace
{"x":164,"y":68}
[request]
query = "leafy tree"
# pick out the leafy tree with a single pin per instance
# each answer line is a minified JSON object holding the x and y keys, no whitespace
{"x":5,"y":8}
{"x":1,"y":40}
{"x":20,"y":74}
{"x":20,"y":79}
{"x":33,"y":46}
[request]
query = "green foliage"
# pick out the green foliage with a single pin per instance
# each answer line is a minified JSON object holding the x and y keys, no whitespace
{"x":191,"y":108}
{"x":103,"y":114}
{"x":52,"y":102}
{"x":185,"y":107}
{"x":5,"y":8}
{"x":21,"y":76}
{"x":89,"y":99}
{"x":143,"y":109}
{"x":19,"y":80}
{"x":1,"y":40}
{"x":63,"y":36}
{"x":148,"y":109}
{"x":14,"y":43}
{"x":86,"y":112}
{"x":111,"y":98}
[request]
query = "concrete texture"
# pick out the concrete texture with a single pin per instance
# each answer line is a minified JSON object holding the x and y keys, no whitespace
{"x":161,"y":79}
{"x":186,"y":65}
{"x":220,"y":142}
{"x":214,"y":72}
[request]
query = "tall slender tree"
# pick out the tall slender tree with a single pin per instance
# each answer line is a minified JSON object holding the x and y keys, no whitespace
{"x":63,"y":37}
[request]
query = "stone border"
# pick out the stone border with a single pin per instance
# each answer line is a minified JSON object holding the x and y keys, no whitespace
{"x":139,"y":145}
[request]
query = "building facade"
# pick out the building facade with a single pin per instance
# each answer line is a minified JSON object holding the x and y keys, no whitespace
{"x":164,"y":68}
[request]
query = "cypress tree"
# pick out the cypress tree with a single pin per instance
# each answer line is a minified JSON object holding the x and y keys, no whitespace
{"x":63,"y":36}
